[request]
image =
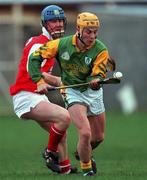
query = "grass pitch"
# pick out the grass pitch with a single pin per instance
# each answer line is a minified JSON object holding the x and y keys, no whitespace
{"x":122,"y":156}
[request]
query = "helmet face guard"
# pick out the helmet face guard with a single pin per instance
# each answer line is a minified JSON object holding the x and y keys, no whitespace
{"x":50,"y":13}
{"x":85,"y":20}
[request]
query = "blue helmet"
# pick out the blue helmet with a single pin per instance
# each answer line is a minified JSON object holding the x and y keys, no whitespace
{"x":52,"y":12}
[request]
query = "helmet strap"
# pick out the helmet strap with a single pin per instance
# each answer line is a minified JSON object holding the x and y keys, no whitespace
{"x":79,"y":35}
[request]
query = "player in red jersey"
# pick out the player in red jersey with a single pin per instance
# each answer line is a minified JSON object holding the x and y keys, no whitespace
{"x":30,"y":105}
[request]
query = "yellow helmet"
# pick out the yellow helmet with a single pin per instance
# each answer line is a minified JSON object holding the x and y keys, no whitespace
{"x":87,"y":19}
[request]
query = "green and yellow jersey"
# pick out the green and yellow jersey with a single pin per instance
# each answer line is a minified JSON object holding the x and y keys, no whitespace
{"x":76,"y":66}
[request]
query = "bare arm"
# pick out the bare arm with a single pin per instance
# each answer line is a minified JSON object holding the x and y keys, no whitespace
{"x":51,"y":79}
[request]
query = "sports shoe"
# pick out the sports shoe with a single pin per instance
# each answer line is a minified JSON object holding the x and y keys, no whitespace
{"x":71,"y":170}
{"x":45,"y":155}
{"x":51,"y":159}
{"x":90,"y":173}
{"x":94,"y":168}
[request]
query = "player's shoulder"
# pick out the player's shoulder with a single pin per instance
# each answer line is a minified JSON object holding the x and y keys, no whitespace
{"x":41,"y":39}
{"x":65,"y":41}
{"x":100,"y":44}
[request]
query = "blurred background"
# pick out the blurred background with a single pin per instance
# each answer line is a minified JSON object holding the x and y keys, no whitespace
{"x":123,"y":30}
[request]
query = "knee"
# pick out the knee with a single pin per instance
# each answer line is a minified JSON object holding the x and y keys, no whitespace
{"x":63,"y":120}
{"x":85,"y":135}
{"x":66,"y":120}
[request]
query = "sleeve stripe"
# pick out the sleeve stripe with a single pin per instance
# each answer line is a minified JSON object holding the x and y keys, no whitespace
{"x":33,"y":49}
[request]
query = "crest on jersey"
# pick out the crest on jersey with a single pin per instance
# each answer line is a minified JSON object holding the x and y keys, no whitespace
{"x":65,"y":56}
{"x":88,"y":60}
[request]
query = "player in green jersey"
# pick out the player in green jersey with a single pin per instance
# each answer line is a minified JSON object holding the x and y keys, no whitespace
{"x":82,"y":58}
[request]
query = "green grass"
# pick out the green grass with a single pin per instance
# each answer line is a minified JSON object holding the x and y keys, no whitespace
{"x":122,"y":156}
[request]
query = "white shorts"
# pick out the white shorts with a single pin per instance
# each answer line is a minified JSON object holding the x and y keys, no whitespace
{"x":24,"y":101}
{"x":93,"y":99}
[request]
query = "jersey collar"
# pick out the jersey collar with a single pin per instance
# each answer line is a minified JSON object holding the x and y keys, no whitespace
{"x":46,"y":33}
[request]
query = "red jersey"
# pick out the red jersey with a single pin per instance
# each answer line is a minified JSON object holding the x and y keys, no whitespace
{"x":23,"y":81}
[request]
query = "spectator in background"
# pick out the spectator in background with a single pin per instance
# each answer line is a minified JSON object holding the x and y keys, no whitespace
{"x":30,"y":105}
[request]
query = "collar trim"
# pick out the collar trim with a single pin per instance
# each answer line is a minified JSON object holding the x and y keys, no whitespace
{"x":46,"y":33}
